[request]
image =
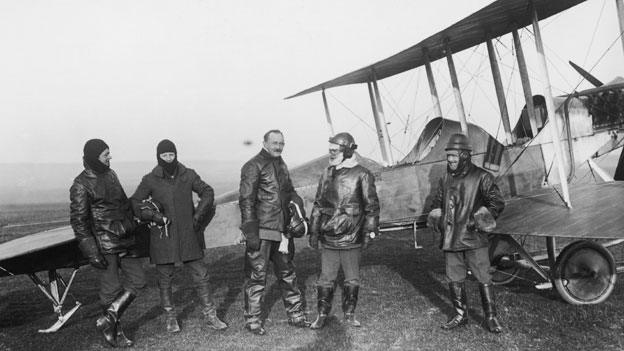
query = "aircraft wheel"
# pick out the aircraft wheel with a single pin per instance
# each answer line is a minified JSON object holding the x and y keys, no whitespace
{"x":585,"y":273}
{"x":503,"y":257}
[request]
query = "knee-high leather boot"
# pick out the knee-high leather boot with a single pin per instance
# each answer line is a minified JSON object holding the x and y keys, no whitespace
{"x":208,"y":308}
{"x":459,"y":300}
{"x":324,"y":304}
{"x":489,"y":309}
{"x":122,"y":339}
{"x":349,"y":302}
{"x":108,"y":321}
{"x":166,"y":300}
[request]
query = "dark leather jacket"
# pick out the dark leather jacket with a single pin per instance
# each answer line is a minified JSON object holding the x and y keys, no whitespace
{"x":345,"y":207}
{"x":100,"y":213}
{"x":265,"y":191}
{"x":459,"y":197}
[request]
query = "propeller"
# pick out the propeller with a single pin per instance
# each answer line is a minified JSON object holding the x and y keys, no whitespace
{"x":597,"y":83}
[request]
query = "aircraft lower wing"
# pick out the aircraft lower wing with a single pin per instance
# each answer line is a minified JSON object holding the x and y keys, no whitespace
{"x":596,"y":213}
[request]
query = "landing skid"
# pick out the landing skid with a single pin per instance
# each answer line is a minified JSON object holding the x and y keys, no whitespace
{"x":51,"y":291}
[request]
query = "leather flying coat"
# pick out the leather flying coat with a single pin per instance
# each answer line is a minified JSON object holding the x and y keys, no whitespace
{"x":100,"y":213}
{"x":346,"y":207}
{"x":265,"y":191}
{"x":176,"y":197}
{"x":459,"y":197}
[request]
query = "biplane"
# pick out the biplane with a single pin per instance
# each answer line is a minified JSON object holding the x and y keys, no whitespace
{"x":530,"y":165}
{"x":559,"y":133}
{"x":553,"y":137}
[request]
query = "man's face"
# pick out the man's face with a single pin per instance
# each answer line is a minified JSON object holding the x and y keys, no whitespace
{"x":274,"y":144}
{"x":167,"y":156}
{"x":105,"y":157}
{"x":452,"y":158}
{"x":335,"y":155}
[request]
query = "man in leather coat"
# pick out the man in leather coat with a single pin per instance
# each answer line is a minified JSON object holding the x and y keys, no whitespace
{"x":264,"y":194}
{"x":465,"y":207}
{"x":345,"y":217}
{"x":103,"y":223}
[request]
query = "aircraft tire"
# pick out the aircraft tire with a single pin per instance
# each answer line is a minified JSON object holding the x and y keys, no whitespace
{"x":585,"y":273}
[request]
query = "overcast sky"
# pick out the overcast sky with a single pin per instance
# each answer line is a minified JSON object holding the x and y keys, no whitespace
{"x":211,"y":74}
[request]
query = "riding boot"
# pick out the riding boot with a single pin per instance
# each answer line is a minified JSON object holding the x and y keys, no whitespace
{"x":208,"y":308}
{"x":349,"y":302}
{"x":324,"y":304}
{"x":489,"y":310}
{"x":122,"y":339}
{"x":166,"y":300}
{"x":107,"y":322}
{"x":459,"y":300}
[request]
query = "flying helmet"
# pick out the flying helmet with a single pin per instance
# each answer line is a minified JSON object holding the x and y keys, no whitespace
{"x":458,"y":141}
{"x":297,"y":225}
{"x":153,"y":212}
{"x":346,"y":142}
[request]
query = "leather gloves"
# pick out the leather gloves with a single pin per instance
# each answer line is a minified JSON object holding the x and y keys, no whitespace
{"x":98,"y":261}
{"x":252,"y":235}
{"x":433,"y":219}
{"x":367,"y":240}
{"x":197,"y":223}
{"x":484,"y":220}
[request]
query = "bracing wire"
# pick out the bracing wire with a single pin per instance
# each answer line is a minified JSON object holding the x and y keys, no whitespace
{"x":591,"y":42}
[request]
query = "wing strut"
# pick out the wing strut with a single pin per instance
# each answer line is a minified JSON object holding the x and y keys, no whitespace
{"x":526,"y":83}
{"x":456,"y":92}
{"x":553,"y":124}
{"x":51,"y":291}
{"x":500,"y":93}
{"x":328,"y":116}
{"x":437,"y":111}
{"x":380,"y":121}
{"x":619,"y":4}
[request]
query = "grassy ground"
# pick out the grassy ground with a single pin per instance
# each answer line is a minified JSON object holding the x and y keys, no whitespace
{"x":19,"y":220}
{"x":403,"y":300}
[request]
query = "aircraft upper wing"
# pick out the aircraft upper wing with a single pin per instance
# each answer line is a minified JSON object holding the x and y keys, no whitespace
{"x":496,"y":19}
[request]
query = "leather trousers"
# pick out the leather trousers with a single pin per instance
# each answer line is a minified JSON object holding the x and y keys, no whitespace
{"x":256,"y":265}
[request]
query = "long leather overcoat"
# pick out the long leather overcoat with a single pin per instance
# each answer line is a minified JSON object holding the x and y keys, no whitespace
{"x":100,"y":213}
{"x":459,"y":197}
{"x":265,"y":192}
{"x":176,"y":196}
{"x":345,"y":207}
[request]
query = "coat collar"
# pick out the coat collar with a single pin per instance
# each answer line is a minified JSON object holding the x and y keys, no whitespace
{"x":159,"y":172}
{"x":348,"y":163}
{"x":266,"y":155}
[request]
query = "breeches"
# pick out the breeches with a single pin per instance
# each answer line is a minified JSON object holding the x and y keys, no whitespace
{"x":110,"y":279}
{"x":197,"y":268}
{"x":478,"y":260}
{"x":332,"y":260}
{"x":256,"y":265}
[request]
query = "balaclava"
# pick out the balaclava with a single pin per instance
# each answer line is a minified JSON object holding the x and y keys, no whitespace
{"x":91,"y":152}
{"x":167,"y":145}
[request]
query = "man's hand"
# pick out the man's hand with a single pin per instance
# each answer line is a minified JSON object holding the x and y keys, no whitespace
{"x":313,"y":241}
{"x":368,"y":238}
{"x":197,"y":223}
{"x":98,"y":261}
{"x":484,"y":220}
{"x":251,"y":231}
{"x":433,"y":219}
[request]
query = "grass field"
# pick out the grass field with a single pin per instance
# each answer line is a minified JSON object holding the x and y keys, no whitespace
{"x":20,"y":220}
{"x":403,"y":301}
